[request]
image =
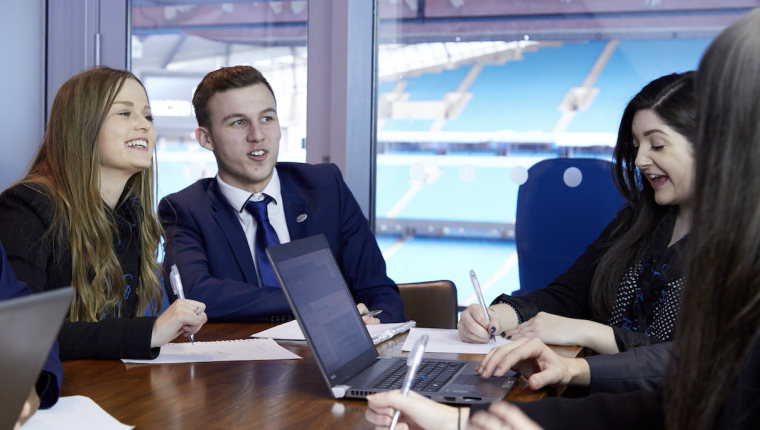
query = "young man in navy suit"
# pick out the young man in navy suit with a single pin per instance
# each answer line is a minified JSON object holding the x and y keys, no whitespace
{"x":217,"y":228}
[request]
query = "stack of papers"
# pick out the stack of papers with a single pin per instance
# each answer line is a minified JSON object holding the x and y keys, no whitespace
{"x":75,"y":413}
{"x":227,"y":350}
{"x":448,"y":341}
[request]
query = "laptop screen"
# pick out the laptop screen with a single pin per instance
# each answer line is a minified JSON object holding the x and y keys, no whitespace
{"x":325,"y":308}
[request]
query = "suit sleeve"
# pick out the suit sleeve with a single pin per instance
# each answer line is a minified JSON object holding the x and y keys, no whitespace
{"x":640,"y":368}
{"x":24,"y":220}
{"x":48,"y":385}
{"x":362,"y":262}
{"x":225,"y":299}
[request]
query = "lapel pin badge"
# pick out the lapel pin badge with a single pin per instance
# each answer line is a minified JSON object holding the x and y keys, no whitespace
{"x":301,"y":218}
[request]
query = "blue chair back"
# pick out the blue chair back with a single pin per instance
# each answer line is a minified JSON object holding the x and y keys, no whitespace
{"x":555,"y":222}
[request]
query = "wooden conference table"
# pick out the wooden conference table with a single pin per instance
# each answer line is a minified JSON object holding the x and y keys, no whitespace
{"x":283,"y":394}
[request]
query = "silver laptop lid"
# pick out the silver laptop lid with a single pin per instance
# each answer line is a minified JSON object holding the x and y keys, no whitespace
{"x":324,"y":307}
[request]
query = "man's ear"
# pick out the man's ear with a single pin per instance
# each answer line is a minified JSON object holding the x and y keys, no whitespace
{"x":203,"y":136}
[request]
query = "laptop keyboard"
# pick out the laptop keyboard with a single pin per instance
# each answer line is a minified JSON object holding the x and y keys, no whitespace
{"x":430,"y":378}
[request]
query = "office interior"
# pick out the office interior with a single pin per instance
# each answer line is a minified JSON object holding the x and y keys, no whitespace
{"x":434,"y":110}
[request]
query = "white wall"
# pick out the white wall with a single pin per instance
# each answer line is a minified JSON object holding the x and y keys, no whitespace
{"x":22,"y":85}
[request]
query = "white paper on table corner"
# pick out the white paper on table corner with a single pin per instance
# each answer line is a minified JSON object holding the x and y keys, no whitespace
{"x":448,"y":341}
{"x":292,"y":331}
{"x":74,"y":413}
{"x":221,"y":350}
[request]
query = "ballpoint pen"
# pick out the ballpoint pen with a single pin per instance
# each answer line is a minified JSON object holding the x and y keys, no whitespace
{"x":479,"y":293}
{"x":178,"y":290}
{"x":371,"y":313}
{"x":413,"y":361}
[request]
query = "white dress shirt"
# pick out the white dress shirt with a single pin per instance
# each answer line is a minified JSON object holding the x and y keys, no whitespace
{"x":237,"y":198}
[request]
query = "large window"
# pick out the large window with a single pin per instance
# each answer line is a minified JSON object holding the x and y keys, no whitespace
{"x":473,"y":93}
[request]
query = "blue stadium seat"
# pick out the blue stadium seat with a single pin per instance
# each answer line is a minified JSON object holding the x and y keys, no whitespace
{"x":555,"y":222}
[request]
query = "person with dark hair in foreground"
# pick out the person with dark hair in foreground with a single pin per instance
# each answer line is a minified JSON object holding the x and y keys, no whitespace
{"x":625,"y":290}
{"x":713,"y":377}
{"x":217,"y":230}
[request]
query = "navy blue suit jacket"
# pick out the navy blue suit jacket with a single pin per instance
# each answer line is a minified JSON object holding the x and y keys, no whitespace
{"x":205,"y":240}
{"x":49,"y":383}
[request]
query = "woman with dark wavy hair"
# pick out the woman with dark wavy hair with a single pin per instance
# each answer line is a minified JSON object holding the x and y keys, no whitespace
{"x":713,"y":378}
{"x":625,"y":290}
{"x":84,"y":216}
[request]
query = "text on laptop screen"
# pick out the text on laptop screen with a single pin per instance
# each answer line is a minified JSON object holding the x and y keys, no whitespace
{"x":328,"y":314}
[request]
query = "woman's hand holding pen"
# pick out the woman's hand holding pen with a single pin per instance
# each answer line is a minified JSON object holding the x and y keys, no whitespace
{"x":474,"y":327}
{"x":180,"y":318}
{"x":417,"y":412}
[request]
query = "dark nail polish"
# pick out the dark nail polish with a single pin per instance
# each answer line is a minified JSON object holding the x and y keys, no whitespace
{"x":503,"y":334}
{"x":493,"y":329}
{"x":509,"y":337}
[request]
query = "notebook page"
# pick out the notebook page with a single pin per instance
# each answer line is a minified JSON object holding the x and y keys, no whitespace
{"x":448,"y":341}
{"x":229,"y":350}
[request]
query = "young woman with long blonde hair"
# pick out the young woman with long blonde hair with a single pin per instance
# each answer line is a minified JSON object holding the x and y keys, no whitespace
{"x":84,"y":216}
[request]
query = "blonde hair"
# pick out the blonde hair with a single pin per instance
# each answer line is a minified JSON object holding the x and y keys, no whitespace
{"x":67,"y":167}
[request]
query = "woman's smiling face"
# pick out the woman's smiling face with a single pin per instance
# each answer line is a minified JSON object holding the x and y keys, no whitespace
{"x":665,"y":158}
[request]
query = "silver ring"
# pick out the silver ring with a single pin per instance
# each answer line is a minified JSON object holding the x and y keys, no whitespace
{"x":198,"y":311}
{"x":465,"y":332}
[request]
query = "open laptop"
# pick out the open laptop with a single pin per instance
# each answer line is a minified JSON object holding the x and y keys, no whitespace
{"x":349,"y":362}
{"x":29,"y":324}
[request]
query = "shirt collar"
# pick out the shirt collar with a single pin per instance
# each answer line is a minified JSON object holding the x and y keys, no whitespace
{"x":237,"y":198}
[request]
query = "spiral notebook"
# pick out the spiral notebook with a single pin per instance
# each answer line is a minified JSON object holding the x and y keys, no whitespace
{"x":226,"y":350}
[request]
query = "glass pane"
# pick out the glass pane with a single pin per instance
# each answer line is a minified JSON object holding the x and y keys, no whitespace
{"x":473,"y":93}
{"x":177,"y":42}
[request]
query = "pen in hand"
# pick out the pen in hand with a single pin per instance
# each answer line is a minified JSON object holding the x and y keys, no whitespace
{"x":371,"y":313}
{"x":413,"y":361}
{"x":479,"y":294}
{"x":178,"y":290}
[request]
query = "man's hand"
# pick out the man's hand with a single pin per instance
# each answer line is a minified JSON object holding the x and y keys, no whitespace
{"x":368,"y":319}
{"x":537,"y":362}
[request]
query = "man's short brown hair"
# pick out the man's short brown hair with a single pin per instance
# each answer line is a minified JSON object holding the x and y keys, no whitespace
{"x":226,"y":78}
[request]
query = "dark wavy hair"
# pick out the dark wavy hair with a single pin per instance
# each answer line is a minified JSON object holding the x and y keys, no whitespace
{"x":721,"y":316}
{"x":671,"y":97}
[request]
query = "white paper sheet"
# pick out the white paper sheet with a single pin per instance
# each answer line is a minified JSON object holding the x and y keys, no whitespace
{"x":74,"y":413}
{"x":292,"y":331}
{"x":230,"y":350}
{"x":448,"y":341}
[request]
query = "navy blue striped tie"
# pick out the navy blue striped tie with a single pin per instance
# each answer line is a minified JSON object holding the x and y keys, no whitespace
{"x":265,"y":237}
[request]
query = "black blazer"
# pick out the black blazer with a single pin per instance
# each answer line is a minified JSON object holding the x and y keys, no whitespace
{"x":26,"y":214}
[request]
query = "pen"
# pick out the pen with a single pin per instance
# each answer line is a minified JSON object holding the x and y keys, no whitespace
{"x":413,"y":361}
{"x":177,"y":289}
{"x":476,"y":286}
{"x":371,"y":313}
